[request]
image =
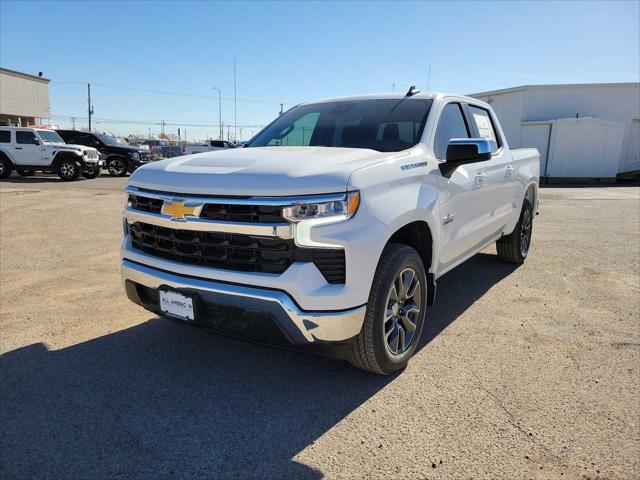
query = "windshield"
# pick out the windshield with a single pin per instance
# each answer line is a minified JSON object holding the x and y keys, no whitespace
{"x":106,"y":139}
{"x":387,"y":125}
{"x":49,"y":136}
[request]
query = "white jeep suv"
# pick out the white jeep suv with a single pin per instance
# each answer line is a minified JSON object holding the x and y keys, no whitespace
{"x":28,"y":150}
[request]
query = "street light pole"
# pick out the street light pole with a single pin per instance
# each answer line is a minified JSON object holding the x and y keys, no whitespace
{"x":219,"y":111}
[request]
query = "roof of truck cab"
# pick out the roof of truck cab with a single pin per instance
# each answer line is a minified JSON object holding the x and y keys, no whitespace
{"x":387,"y":96}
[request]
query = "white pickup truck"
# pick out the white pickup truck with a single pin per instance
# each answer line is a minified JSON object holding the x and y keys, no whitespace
{"x":208,"y":146}
{"x":331,"y":229}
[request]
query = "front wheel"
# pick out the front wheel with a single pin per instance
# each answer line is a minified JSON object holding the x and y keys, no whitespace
{"x":395,"y":313}
{"x":117,"y":167}
{"x":68,"y":170}
{"x":515,"y":246}
{"x":91,"y":174}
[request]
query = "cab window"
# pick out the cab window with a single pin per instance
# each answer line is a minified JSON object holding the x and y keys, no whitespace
{"x":450,"y":125}
{"x":25,"y":137}
{"x":484,"y":125}
{"x":5,"y":136}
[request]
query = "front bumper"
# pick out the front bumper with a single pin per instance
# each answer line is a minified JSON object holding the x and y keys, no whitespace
{"x":259,"y":305}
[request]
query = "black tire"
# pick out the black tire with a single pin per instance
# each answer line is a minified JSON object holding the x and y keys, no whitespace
{"x":26,"y":173}
{"x":117,"y":167}
{"x":69,"y":169}
{"x":91,"y":174}
{"x":515,"y":246}
{"x":372,"y":348}
{"x":5,"y":167}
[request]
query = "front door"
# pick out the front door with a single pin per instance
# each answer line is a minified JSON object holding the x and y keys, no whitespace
{"x":465,"y":220}
{"x":27,"y":149}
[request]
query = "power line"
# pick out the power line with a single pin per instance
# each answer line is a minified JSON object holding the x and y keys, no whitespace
{"x":163,"y":92}
{"x":174,"y":123}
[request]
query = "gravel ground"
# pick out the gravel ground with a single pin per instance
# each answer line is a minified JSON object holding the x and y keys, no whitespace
{"x":529,"y":372}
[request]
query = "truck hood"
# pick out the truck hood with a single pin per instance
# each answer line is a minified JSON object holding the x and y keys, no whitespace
{"x":260,"y":171}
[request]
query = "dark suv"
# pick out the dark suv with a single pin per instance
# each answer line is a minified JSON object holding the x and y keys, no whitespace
{"x":119,"y":159}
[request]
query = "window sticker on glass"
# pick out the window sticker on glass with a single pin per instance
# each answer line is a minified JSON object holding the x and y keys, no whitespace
{"x":485,"y":129}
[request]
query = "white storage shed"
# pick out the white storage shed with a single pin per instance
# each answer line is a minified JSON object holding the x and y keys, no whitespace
{"x":584,"y":131}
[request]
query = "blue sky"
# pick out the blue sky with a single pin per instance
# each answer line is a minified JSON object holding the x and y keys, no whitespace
{"x":290,"y":52}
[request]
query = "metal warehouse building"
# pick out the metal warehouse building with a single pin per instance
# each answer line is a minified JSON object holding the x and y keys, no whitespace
{"x":584,"y":131}
{"x":24,"y":98}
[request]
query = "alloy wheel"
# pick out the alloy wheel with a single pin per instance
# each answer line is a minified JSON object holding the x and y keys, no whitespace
{"x":67,"y":169}
{"x":116,"y":167}
{"x":525,"y":232}
{"x":403,"y":312}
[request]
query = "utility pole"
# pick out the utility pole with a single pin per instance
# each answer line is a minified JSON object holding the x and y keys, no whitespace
{"x":235,"y":101}
{"x":89,"y":106}
{"x":429,"y":80}
{"x":281,"y":108}
{"x":162,"y":127}
{"x":73,"y":120}
{"x":393,"y":87}
{"x":220,"y":134}
{"x":149,"y":133}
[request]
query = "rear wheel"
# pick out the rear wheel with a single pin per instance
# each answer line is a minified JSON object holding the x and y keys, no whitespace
{"x":68,"y":169}
{"x":5,"y":167}
{"x":515,"y":246}
{"x":117,"y":167}
{"x":395,"y":313}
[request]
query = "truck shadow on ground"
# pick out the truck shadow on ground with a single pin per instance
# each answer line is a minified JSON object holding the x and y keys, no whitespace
{"x":165,"y":400}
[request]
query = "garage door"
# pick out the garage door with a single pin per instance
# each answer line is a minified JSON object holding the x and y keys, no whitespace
{"x":633,"y":154}
{"x":536,"y":135}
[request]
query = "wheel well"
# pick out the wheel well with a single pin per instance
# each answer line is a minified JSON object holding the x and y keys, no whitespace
{"x":5,"y":157}
{"x":63,"y":156}
{"x":530,"y":195}
{"x":418,"y":236}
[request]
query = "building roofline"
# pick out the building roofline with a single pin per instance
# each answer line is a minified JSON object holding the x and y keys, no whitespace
{"x":24,"y":75}
{"x":571,"y":85}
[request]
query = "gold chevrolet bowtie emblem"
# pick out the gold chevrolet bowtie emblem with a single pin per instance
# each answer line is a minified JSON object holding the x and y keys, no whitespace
{"x":180,"y":209}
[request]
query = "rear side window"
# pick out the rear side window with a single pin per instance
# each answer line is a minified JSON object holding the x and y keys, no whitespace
{"x":25,"y":137}
{"x":484,"y":125}
{"x":451,"y":125}
{"x":217,"y":143}
{"x":5,"y":136}
{"x":68,"y":137}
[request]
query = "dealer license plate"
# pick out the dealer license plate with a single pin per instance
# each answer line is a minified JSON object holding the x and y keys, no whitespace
{"x":177,"y":305}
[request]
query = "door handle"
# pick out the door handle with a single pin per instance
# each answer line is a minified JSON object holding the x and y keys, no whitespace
{"x":18,"y":148}
{"x":481,"y":174}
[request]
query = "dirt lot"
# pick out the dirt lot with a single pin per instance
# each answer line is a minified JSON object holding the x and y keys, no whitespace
{"x":530,"y":372}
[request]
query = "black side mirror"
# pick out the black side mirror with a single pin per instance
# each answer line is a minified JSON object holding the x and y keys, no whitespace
{"x":36,"y":141}
{"x":461,"y":151}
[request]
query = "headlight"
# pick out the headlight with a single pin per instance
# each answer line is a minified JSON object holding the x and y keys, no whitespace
{"x":135,"y":155}
{"x":84,"y":152}
{"x":333,"y":209}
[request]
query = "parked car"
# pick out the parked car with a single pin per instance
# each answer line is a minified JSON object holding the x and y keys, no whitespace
{"x":30,"y":150}
{"x":208,"y":146}
{"x":154,"y":146}
{"x":332,"y":227}
{"x":119,"y":159}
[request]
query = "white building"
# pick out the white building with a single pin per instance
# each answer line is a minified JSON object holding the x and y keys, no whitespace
{"x":24,"y":98}
{"x":584,"y":131}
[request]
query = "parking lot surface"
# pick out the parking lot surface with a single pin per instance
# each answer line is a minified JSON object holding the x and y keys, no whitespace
{"x":529,"y":372}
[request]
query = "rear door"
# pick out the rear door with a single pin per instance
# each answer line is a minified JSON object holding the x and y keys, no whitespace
{"x":27,"y":149}
{"x":499,"y":170}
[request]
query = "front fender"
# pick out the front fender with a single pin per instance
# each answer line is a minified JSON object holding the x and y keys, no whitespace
{"x":385,"y":208}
